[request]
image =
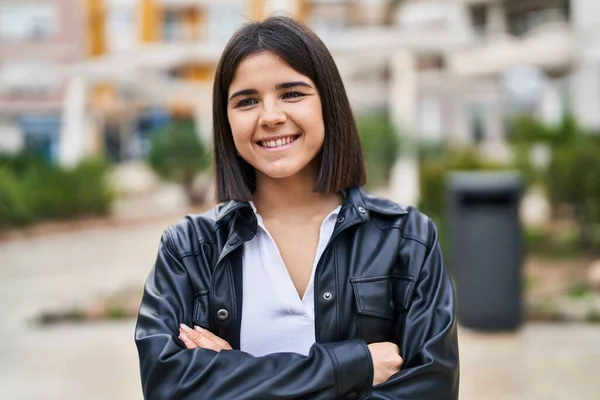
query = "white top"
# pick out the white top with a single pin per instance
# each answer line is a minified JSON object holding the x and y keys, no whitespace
{"x":274,"y":318}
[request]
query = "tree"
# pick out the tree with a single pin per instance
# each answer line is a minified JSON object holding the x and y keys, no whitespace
{"x":177,"y":154}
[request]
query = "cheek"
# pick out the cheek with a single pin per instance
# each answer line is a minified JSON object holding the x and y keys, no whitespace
{"x":310,"y":119}
{"x":242,"y":127}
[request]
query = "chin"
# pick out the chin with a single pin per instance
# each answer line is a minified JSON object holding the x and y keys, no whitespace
{"x":280,"y":172}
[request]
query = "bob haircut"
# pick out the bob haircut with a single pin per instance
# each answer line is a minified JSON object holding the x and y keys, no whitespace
{"x":342,"y":165}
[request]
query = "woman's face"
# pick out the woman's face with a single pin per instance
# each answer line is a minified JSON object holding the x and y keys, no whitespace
{"x":275,"y":116}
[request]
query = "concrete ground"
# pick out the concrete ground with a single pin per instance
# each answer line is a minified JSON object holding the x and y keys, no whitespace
{"x":99,"y":360}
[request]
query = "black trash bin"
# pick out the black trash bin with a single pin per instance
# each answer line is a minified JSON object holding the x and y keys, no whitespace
{"x":486,"y":248}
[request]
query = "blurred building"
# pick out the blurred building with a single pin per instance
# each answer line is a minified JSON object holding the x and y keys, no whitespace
{"x":443,"y":69}
{"x":152,"y":60}
{"x":37,"y":38}
{"x":155,"y":59}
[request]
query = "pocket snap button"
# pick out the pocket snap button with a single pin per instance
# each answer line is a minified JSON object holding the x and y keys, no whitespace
{"x":222,"y":314}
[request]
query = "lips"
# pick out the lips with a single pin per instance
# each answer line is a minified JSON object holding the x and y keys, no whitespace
{"x":279,"y":142}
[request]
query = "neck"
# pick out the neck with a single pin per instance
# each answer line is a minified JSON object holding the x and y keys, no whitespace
{"x":292,"y":197}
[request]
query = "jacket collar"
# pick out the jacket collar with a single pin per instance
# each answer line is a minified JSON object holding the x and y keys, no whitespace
{"x":225,"y":209}
{"x":380,"y":205}
{"x":355,"y":197}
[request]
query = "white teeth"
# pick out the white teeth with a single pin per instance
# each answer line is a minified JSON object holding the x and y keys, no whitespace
{"x":278,"y":142}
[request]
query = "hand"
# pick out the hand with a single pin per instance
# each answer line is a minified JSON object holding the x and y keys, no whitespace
{"x":386,"y":361}
{"x":202,"y":338}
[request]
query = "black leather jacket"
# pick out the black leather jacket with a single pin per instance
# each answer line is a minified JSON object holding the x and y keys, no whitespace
{"x":385,"y":281}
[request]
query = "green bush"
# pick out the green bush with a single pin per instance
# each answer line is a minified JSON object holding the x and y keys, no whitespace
{"x":32,"y":190}
{"x":177,"y":154}
{"x":14,"y":208}
{"x":433,"y":172}
{"x":572,"y":180}
{"x":380,"y":147}
{"x":526,"y":132}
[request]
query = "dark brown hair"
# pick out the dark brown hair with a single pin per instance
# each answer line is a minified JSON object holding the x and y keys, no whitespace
{"x":342,"y":164}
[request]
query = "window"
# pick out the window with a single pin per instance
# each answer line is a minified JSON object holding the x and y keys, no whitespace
{"x":224,"y":19}
{"x":478,"y":14}
{"x":524,"y":16}
{"x":28,"y":21}
{"x":171,"y":26}
{"x":121,"y":25}
{"x":29,"y":77}
{"x":476,"y":114}
{"x":42,"y":134}
{"x":181,"y":24}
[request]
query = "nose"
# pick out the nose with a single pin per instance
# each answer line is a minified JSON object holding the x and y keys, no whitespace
{"x":272,"y":115}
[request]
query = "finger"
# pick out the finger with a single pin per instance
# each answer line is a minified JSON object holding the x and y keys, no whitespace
{"x":189,"y":344}
{"x":192,"y":335}
{"x":222,"y":343}
{"x":211,"y":342}
{"x":208,"y":344}
{"x":199,"y":341}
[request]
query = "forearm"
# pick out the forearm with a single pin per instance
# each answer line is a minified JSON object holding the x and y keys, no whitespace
{"x":329,"y":371}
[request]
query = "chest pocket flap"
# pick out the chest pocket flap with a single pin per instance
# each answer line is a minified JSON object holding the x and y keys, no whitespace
{"x":201,"y":311}
{"x":383,"y":296}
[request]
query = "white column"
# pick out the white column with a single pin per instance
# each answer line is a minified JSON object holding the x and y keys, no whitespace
{"x":496,"y":19}
{"x":12,"y":140}
{"x":73,"y":132}
{"x":550,"y":108}
{"x":404,"y":181}
{"x":585,"y":83}
{"x":586,"y":96}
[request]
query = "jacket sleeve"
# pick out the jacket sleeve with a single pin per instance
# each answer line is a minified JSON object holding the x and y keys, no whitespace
{"x":429,"y":344}
{"x":170,"y":371}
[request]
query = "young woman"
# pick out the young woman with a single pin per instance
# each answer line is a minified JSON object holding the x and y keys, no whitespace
{"x":299,"y":285}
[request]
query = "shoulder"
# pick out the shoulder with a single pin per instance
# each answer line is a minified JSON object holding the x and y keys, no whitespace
{"x":413,"y":224}
{"x":192,"y":233}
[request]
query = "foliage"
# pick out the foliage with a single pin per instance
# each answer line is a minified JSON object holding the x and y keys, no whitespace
{"x":525,"y":130}
{"x":32,"y":190}
{"x":579,"y":290}
{"x":572,"y":180}
{"x":551,"y":243}
{"x":380,"y":146}
{"x":571,"y":177}
{"x":14,"y":209}
{"x":433,"y":172}
{"x":177,"y":154}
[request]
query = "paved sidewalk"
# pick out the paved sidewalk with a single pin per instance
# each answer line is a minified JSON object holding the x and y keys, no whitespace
{"x":539,"y":362}
{"x":99,"y":361}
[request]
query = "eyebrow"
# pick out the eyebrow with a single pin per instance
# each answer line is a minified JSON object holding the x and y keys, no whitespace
{"x":285,"y":85}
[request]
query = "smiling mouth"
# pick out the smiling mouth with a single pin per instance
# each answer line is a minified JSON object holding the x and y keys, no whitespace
{"x":273,"y":144}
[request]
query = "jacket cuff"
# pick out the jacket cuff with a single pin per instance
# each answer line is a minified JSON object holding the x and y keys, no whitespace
{"x":353,"y":368}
